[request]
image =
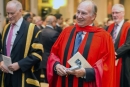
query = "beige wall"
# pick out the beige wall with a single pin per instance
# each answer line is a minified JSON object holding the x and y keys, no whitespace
{"x":68,"y":10}
{"x":127,"y":9}
{"x":102,"y":10}
{"x":34,"y":7}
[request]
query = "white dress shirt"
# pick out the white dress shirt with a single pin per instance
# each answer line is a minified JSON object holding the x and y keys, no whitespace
{"x":15,"y":32}
{"x":119,"y":27}
{"x":84,"y":32}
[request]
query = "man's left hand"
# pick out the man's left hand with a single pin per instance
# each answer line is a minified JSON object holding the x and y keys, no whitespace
{"x":14,"y":66}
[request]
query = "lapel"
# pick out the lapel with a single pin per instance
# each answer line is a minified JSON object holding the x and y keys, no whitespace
{"x":21,"y":32}
{"x":118,"y":39}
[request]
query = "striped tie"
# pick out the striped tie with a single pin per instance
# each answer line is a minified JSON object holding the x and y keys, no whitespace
{"x":114,"y":35}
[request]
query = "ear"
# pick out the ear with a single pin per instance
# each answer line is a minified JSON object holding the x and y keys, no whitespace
{"x":20,"y":10}
{"x":93,"y":17}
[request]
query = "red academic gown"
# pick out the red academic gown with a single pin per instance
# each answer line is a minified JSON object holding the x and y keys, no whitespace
{"x":120,"y":40}
{"x":100,"y":56}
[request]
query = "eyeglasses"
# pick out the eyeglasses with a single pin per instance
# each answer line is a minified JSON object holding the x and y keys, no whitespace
{"x":116,"y":12}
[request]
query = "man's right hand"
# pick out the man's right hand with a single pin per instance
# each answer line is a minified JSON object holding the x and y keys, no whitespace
{"x":3,"y":68}
{"x":61,"y":70}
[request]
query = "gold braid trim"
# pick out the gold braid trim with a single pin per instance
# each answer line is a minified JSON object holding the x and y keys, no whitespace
{"x":2,"y":82}
{"x":37,"y":55}
{"x":37,"y":46}
{"x":37,"y":34}
{"x":33,"y":82}
{"x":3,"y":32}
{"x":28,"y":42}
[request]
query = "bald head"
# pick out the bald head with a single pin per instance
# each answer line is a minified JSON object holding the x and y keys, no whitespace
{"x":50,"y":19}
{"x":90,"y":4}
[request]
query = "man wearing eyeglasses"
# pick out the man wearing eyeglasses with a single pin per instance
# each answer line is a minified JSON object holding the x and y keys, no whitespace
{"x":120,"y":31}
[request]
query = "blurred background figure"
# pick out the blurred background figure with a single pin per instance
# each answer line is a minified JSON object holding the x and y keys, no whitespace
{"x":74,"y":20}
{"x":28,"y":17}
{"x":38,"y":21}
{"x":43,"y":22}
{"x":66,"y":23}
{"x":59,"y":23}
{"x":6,"y":21}
{"x":49,"y":36}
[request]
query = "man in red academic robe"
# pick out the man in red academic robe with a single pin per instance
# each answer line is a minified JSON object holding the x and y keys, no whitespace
{"x":121,"y":39}
{"x":96,"y":47}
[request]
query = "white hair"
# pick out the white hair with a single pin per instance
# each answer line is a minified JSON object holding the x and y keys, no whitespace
{"x":120,"y":6}
{"x":17,"y":4}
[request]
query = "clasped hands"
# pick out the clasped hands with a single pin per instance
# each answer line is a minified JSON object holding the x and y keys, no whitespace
{"x":12,"y":67}
{"x":62,"y":71}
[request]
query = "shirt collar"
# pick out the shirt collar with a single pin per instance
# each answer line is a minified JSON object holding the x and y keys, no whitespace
{"x":19,"y":22}
{"x":50,"y":26}
{"x":57,"y":24}
{"x":121,"y":23}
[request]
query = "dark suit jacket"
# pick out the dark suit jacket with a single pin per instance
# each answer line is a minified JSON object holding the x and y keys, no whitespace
{"x":59,"y":29}
{"x":17,"y":54}
{"x":49,"y":37}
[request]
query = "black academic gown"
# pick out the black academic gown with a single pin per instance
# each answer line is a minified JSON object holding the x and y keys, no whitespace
{"x":28,"y":59}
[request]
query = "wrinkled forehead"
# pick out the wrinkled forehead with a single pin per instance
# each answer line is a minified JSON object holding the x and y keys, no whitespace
{"x":84,"y":6}
{"x":11,"y":5}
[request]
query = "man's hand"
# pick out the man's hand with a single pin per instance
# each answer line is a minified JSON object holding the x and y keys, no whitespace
{"x":3,"y":68}
{"x":61,"y":70}
{"x":78,"y":73}
{"x":14,"y":66}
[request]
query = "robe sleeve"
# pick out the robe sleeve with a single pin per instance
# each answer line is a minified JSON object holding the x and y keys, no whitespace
{"x":35,"y":53}
{"x":125,"y":47}
{"x":105,"y":66}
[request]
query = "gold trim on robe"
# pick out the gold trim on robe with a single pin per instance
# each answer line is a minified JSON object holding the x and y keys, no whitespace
{"x":37,"y":46}
{"x":28,"y":42}
{"x":37,"y":55}
{"x":32,"y":82}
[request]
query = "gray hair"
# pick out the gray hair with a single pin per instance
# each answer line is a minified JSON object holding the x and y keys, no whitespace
{"x":120,"y":6}
{"x":16,"y":3}
{"x":94,"y":6}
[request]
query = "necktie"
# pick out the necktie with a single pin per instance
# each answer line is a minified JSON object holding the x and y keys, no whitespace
{"x":9,"y":40}
{"x":114,"y":33}
{"x":77,"y":42}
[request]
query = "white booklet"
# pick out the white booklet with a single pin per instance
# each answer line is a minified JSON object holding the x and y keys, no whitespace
{"x":78,"y":59}
{"x":7,"y":61}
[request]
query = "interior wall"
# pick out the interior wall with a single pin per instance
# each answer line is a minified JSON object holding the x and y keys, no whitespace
{"x":102,"y":10}
{"x":2,"y":15}
{"x":68,"y":10}
{"x":34,"y":7}
{"x":127,"y":10}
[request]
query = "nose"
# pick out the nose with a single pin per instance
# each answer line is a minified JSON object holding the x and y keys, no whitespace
{"x":79,"y":15}
{"x":9,"y":15}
